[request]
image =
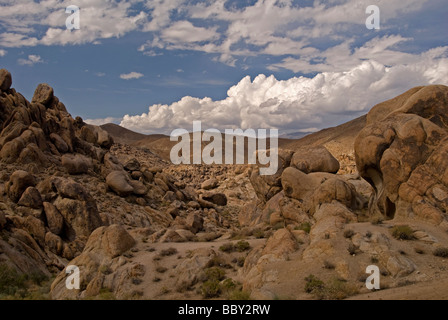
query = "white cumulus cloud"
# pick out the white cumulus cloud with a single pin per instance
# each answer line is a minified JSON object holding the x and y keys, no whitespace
{"x":131,"y":76}
{"x":3,"y":53}
{"x":298,"y":103}
{"x":32,"y":60}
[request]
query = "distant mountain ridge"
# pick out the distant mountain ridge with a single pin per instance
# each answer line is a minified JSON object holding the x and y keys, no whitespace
{"x":340,"y":137}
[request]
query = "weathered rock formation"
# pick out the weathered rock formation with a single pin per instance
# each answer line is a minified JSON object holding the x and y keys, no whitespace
{"x":402,"y":153}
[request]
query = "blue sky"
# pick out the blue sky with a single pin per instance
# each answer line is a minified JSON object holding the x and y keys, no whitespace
{"x":158,"y":65}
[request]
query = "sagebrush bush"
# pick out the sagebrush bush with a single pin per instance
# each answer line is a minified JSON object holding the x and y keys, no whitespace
{"x":305,"y":226}
{"x":242,"y":246}
{"x":211,"y":289}
{"x":228,"y":247}
{"x":403,"y":233}
{"x":215,"y":273}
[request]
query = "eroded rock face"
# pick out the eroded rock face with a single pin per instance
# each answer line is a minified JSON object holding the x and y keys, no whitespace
{"x":102,"y":252}
{"x":402,"y":153}
{"x":5,"y":80}
{"x":18,"y":183}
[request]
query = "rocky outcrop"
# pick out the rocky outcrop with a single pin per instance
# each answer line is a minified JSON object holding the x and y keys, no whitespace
{"x":102,"y":266}
{"x":402,"y":153}
{"x":41,"y":131}
{"x":315,"y":160}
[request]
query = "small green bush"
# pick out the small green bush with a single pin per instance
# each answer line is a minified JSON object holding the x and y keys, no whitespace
{"x":403,"y":233}
{"x":38,"y":278}
{"x":339,"y":290}
{"x":11,"y":281}
{"x":242,"y":246}
{"x":215,"y":273}
{"x":228,"y":247}
{"x":313,"y":284}
{"x":335,"y":290}
{"x":239,"y":295}
{"x":305,"y":226}
{"x":211,"y":289}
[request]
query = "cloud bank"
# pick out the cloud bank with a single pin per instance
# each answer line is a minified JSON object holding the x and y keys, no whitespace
{"x":298,"y":103}
{"x":229,"y":31}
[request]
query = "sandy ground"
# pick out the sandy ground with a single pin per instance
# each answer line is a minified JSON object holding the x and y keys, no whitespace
{"x":431,"y":290}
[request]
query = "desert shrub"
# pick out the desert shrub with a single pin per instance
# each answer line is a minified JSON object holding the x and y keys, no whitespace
{"x":239,"y":295}
{"x":402,"y":233}
{"x":105,"y":294}
{"x":168,"y":252}
{"x":215,"y":262}
{"x":37,"y":277}
{"x":215,"y":273}
{"x":441,"y":252}
{"x":210,"y":289}
{"x":349,"y":233}
{"x":228,"y":285}
{"x":228,"y":247}
{"x":329,"y":265}
{"x":369,"y":235}
{"x":339,"y":290}
{"x":305,"y":226}
{"x":242,"y":246}
{"x":11,"y":281}
{"x":336,"y":290}
{"x":374,"y":259}
{"x":313,"y":284}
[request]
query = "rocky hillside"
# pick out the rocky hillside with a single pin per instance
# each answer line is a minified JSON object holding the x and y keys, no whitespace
{"x":139,"y":227}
